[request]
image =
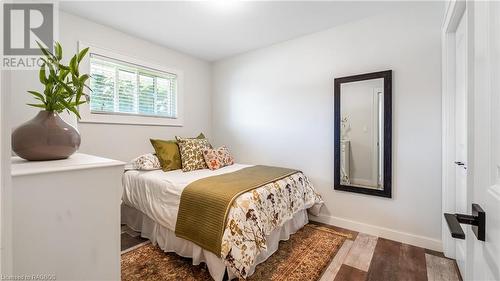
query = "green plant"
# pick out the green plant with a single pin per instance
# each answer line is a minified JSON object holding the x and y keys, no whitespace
{"x":63,"y":84}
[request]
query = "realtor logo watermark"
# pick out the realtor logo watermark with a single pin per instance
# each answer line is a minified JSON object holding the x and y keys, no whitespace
{"x":25,"y":24}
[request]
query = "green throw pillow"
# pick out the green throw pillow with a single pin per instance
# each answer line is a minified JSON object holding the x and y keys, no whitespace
{"x":167,"y":152}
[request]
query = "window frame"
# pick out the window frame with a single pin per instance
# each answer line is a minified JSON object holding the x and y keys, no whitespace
{"x":87,"y":116}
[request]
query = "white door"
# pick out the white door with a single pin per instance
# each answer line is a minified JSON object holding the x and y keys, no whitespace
{"x":471,"y":132}
{"x":483,"y":262}
{"x":461,"y":103}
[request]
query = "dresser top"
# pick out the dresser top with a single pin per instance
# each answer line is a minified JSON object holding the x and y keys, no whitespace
{"x":77,"y":161}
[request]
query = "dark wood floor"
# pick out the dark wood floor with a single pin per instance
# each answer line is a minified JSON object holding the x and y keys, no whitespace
{"x":370,"y":258}
{"x":365,"y":257}
{"x":131,"y":240}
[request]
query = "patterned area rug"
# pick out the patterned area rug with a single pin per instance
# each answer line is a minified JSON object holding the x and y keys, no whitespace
{"x":303,"y":257}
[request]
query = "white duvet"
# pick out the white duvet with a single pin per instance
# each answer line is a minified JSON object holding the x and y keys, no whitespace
{"x":157,"y":194}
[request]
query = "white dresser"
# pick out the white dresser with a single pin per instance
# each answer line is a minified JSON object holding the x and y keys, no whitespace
{"x":66,"y":217}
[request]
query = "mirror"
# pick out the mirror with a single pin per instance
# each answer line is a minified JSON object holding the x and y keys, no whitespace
{"x":363,"y":110}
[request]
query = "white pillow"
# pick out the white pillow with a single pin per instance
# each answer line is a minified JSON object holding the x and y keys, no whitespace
{"x":146,"y":162}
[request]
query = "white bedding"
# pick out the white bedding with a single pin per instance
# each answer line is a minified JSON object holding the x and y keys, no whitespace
{"x":157,"y":194}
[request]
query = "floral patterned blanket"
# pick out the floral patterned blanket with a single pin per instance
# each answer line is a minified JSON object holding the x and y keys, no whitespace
{"x":255,"y":214}
{"x":205,"y":203}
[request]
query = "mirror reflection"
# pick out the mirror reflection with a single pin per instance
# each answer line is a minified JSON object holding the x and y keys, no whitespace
{"x":361,"y":133}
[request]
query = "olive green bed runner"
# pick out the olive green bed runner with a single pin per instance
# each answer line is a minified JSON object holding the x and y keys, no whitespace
{"x":205,"y":203}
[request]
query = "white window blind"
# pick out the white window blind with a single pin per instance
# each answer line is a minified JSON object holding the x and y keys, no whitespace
{"x":128,"y":89}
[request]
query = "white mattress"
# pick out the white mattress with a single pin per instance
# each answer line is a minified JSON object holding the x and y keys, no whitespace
{"x":157,"y":194}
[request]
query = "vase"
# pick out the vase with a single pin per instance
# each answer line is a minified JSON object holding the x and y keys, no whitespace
{"x":45,"y":137}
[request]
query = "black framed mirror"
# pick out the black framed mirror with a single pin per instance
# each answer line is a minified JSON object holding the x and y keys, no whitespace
{"x":363,"y":133}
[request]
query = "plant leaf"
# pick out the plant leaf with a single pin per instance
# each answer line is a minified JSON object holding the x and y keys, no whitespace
{"x":83,"y":78}
{"x":51,"y":70}
{"x":82,"y":54}
{"x":88,"y":88}
{"x":71,"y":108}
{"x":62,"y":66}
{"x":63,"y":73}
{"x":46,"y":52}
{"x":43,"y":49}
{"x":77,"y":103}
{"x":65,"y":86}
{"x":73,"y":64}
{"x":38,"y":95}
{"x":37,"y":105}
{"x":58,"y":50}
{"x":41,"y":75}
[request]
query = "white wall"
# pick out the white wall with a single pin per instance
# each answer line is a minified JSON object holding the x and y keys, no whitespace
{"x":275,"y":106}
{"x":123,"y":142}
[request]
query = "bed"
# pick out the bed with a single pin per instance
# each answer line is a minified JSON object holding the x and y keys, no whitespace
{"x":256,"y":220}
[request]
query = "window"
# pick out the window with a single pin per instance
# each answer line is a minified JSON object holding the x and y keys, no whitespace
{"x":127,"y":90}
{"x":124,"y":88}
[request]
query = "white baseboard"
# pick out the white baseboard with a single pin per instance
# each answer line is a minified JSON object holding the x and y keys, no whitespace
{"x":387,"y":233}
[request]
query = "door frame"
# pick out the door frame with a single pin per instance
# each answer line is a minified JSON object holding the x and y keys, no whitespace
{"x":455,"y":11}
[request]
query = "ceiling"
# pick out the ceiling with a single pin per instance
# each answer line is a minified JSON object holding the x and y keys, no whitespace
{"x":213,"y":30}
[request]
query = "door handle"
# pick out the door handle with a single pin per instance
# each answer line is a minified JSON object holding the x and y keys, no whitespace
{"x":477,"y":220}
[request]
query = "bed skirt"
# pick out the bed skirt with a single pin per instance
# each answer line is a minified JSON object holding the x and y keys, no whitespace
{"x":168,"y":242}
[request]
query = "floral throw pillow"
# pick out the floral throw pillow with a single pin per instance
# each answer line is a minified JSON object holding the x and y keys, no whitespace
{"x":146,"y":162}
{"x":192,"y":153}
{"x":218,"y":158}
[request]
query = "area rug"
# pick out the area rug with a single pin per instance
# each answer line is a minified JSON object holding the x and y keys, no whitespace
{"x":303,"y":257}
